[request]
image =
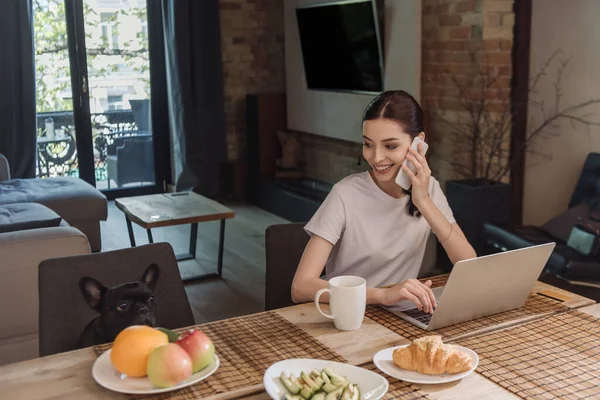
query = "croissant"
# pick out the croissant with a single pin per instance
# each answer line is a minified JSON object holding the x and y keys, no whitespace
{"x":429,"y":355}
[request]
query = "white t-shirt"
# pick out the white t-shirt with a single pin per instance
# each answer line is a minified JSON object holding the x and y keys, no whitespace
{"x":373,"y":234}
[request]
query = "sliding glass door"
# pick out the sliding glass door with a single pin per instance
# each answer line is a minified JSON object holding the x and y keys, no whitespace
{"x":105,"y":72}
{"x":56,"y":139}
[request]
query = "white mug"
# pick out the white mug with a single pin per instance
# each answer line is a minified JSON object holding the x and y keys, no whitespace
{"x":347,"y":301}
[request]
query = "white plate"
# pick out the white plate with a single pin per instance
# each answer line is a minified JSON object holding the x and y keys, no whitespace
{"x":383,"y":361}
{"x":372,"y":385}
{"x":107,"y":376}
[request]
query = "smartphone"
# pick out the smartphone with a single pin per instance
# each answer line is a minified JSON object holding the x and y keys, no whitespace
{"x":402,"y":179}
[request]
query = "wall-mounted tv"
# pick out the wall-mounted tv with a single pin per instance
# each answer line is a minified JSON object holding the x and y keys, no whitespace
{"x":341,"y":47}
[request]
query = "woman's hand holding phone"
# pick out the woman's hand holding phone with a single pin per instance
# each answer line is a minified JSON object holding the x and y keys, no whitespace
{"x":420,"y":178}
{"x":402,"y":178}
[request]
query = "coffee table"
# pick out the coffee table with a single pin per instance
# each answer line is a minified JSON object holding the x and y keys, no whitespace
{"x":170,"y":209}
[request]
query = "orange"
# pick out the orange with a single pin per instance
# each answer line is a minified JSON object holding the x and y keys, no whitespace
{"x":133,"y":346}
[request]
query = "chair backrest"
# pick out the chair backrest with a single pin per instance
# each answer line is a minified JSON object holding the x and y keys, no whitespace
{"x":588,"y":184}
{"x":135,"y":160}
{"x":141,"y":114}
{"x":64,"y":312}
{"x":284,"y":245}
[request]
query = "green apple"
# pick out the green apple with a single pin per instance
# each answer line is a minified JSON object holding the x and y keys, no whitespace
{"x":168,"y":366}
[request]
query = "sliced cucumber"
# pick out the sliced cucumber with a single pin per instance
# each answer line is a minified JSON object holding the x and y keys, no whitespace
{"x":297,"y":381}
{"x":346,"y":395}
{"x":351,"y":393}
{"x":319,"y":383}
{"x":356,"y":393}
{"x":329,"y":387}
{"x":291,"y":386}
{"x":307,"y":392}
{"x":329,"y":372}
{"x":319,"y":396}
{"x":340,"y":382}
{"x":335,"y":394}
{"x":308,"y":380}
{"x":325,"y":377}
{"x":336,"y":379}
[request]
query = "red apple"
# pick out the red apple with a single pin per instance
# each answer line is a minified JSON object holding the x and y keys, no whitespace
{"x":199,"y":346}
{"x":168,"y":365}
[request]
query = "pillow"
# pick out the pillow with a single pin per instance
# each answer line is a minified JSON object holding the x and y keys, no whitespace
{"x":560,"y":226}
{"x":19,"y":217}
{"x":291,"y":150}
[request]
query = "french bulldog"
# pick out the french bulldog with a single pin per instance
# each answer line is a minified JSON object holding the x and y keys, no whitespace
{"x":120,"y":306}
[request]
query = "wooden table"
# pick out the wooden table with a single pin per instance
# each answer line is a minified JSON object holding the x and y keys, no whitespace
{"x":170,"y":209}
{"x":68,"y":375}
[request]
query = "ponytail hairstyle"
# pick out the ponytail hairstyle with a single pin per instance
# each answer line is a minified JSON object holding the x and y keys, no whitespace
{"x":401,"y":108}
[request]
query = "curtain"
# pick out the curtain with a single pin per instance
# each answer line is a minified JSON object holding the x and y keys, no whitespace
{"x":195,"y":92}
{"x":17,"y":87}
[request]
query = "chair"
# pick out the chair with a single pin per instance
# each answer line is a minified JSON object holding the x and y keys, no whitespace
{"x":565,"y":262}
{"x":133,"y":161}
{"x":131,"y":157}
{"x":63,"y":311}
{"x":284,"y":245}
{"x":141,"y":114}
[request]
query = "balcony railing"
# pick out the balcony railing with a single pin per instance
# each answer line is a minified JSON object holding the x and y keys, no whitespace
{"x":57,"y":156}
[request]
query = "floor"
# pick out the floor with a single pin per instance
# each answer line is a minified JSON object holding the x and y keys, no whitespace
{"x":241,"y":291}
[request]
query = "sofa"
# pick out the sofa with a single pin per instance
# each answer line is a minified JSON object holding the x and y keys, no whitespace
{"x":77,"y":202}
{"x":21,"y":253}
{"x":565,"y":263}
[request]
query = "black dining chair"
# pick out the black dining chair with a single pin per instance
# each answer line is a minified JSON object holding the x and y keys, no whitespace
{"x":284,"y":245}
{"x":63,"y":312}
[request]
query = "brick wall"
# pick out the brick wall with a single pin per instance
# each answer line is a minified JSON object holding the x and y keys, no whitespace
{"x":330,"y":160}
{"x":454,"y":31}
{"x":461,"y":37}
{"x":253,"y":61}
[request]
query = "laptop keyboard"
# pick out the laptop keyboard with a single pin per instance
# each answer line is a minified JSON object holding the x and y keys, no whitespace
{"x":419,"y":315}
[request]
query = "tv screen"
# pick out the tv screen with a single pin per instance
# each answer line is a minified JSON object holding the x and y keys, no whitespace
{"x":340,"y":46}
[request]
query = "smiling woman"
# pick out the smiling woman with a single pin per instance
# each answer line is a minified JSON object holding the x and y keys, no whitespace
{"x":371,"y":227}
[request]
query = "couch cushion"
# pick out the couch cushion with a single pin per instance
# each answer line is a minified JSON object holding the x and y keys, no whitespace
{"x":72,"y":198}
{"x":19,"y":348}
{"x":19,"y":217}
{"x":560,"y":226}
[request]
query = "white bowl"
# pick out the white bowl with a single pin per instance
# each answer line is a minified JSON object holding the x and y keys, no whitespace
{"x":107,"y":376}
{"x":383,"y":360}
{"x":372,"y":385}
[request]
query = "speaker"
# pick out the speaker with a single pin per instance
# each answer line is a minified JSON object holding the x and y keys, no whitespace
{"x":265,"y":115}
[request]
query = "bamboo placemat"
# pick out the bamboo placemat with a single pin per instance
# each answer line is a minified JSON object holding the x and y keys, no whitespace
{"x":535,"y":305}
{"x":554,"y":357}
{"x":398,"y":390}
{"x":247,"y":346}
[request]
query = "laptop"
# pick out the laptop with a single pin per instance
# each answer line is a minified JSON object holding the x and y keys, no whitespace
{"x":481,"y":286}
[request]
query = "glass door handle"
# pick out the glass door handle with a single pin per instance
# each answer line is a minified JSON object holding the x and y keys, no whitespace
{"x":83,"y":84}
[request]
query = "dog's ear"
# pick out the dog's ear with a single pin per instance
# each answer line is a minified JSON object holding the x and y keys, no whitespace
{"x":93,"y":292}
{"x":151,"y":275}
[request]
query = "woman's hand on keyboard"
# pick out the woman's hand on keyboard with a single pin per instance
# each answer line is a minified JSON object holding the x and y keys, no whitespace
{"x":412,"y":289}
